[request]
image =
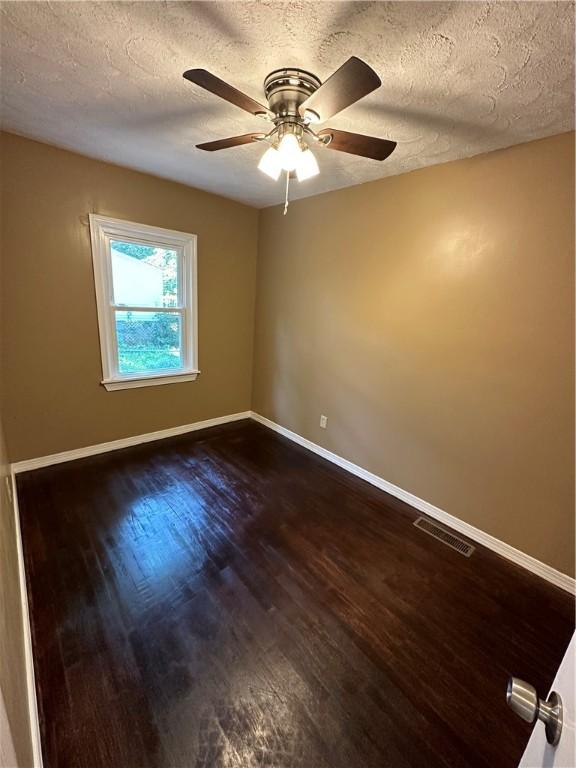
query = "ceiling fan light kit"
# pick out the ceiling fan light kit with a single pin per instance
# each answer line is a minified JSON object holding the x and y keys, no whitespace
{"x":271,"y":163}
{"x":289,"y":152}
{"x":298,"y":100}
{"x":307,"y":166}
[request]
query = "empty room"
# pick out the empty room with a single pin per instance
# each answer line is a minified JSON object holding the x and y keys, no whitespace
{"x":287,"y":390}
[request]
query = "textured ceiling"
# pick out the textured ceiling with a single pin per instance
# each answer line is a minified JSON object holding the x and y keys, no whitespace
{"x":105,"y":79}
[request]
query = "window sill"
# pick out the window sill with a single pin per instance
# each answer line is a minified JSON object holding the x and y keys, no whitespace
{"x":149,"y":381}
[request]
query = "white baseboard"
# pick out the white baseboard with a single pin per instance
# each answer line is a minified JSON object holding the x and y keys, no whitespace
{"x":28,"y":653}
{"x":125,"y":442}
{"x":520,"y":558}
{"x":505,"y":550}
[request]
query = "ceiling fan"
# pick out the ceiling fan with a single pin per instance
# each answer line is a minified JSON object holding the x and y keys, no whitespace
{"x":298,"y":100}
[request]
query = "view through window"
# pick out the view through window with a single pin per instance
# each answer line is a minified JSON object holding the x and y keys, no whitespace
{"x":146,"y":300}
{"x":146,"y":276}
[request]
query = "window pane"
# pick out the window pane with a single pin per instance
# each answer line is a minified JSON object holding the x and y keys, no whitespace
{"x":144,"y":275}
{"x":148,"y":341}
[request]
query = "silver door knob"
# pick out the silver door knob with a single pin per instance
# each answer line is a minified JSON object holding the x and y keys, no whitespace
{"x":523,"y":699}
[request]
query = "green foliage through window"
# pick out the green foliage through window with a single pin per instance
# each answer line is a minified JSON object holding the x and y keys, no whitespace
{"x":134,"y":249}
{"x":148,"y":341}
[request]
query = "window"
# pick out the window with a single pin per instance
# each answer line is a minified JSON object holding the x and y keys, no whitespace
{"x":146,"y":297}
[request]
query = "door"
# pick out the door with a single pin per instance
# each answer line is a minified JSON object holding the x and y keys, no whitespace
{"x":540,"y":754}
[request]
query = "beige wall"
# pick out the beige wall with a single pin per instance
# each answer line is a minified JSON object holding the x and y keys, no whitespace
{"x":12,"y":665}
{"x":14,"y":723}
{"x":430,"y":316}
{"x":53,"y":400}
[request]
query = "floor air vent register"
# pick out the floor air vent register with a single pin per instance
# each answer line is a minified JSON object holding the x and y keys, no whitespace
{"x":445,"y":536}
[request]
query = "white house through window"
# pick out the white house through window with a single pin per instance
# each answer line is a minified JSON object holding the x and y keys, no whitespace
{"x":146,"y":297}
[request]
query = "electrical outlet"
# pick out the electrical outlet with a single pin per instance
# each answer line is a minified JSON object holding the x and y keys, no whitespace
{"x":323,"y":421}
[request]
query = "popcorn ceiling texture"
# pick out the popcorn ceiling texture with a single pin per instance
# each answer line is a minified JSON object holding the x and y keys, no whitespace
{"x":105,"y":79}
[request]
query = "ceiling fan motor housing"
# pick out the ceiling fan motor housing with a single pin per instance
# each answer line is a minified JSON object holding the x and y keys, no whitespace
{"x":287,"y":88}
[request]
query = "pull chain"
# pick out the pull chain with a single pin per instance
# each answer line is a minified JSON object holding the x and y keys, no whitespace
{"x":286,"y":201}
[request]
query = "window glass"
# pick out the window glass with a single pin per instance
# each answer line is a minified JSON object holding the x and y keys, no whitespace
{"x":148,"y":341}
{"x":144,"y":275}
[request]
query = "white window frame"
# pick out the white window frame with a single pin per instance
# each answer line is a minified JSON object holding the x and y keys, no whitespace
{"x":104,"y":229}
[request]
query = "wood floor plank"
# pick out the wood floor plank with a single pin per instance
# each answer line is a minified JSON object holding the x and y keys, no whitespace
{"x":227,"y":599}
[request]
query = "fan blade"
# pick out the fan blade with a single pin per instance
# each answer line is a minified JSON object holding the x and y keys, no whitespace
{"x":218,"y":87}
{"x":234,"y":141}
{"x":357,"y":144}
{"x":351,"y":82}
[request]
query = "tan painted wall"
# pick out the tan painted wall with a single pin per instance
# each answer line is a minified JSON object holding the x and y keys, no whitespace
{"x":13,"y":689}
{"x":53,"y":400}
{"x":430,"y":316}
{"x":12,"y":665}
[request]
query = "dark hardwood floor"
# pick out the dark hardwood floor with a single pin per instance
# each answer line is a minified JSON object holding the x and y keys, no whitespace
{"x":227,"y":599}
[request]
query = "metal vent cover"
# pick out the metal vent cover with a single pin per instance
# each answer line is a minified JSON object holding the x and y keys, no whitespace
{"x":445,"y":536}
